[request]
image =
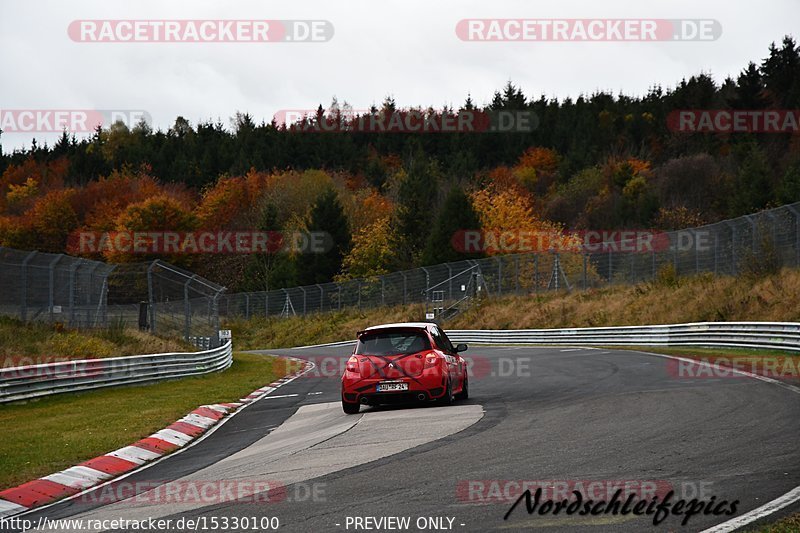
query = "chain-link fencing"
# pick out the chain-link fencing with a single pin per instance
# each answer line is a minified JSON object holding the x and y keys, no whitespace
{"x":81,"y":293}
{"x":759,"y":243}
{"x":166,"y":300}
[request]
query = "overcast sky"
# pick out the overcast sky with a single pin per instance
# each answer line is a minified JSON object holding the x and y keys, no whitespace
{"x":404,"y":48}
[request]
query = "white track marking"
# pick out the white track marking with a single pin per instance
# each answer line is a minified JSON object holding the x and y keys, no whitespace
{"x":198,"y":440}
{"x":766,"y":509}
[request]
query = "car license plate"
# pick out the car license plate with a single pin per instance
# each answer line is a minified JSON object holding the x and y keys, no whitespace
{"x":389,"y":386}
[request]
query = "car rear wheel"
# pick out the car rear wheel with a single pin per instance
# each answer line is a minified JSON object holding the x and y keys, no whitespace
{"x":464,"y":394}
{"x":447,"y":399}
{"x":350,"y":408}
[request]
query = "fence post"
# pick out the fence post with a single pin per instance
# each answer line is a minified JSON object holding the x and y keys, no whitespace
{"x":796,"y":214}
{"x":499,"y":275}
{"x":51,"y":293}
{"x":304,"y":299}
{"x":585,"y":267}
{"x":404,"y":287}
{"x":339,"y":285}
{"x":247,"y":306}
{"x":215,"y":313}
{"x":72,"y":271}
{"x":23,"y":310}
{"x":733,"y":248}
{"x":450,"y":282}
{"x":151,"y":301}
{"x":321,"y":297}
{"x":187,"y":309}
{"x":653,"y":254}
{"x":716,"y":252}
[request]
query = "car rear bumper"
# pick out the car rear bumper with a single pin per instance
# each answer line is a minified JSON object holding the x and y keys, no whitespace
{"x":424,"y":388}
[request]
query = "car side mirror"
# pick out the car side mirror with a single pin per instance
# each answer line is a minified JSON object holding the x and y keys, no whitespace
{"x":461,"y":347}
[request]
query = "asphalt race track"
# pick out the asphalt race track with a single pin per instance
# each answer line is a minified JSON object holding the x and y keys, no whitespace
{"x":564,"y":416}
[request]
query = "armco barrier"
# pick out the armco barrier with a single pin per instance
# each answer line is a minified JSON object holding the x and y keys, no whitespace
{"x":762,"y":335}
{"x":33,"y":381}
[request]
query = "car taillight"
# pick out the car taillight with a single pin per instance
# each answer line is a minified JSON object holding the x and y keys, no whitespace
{"x":352,"y":364}
{"x":431,"y":359}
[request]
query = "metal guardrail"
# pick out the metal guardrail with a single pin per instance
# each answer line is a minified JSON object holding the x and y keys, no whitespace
{"x":762,"y":335}
{"x":34,"y":381}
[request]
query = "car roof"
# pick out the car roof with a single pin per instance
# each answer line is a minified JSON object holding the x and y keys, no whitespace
{"x":421,"y":325}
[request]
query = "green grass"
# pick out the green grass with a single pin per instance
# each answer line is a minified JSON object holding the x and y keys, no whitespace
{"x":53,"y":433}
{"x":25,"y":344}
{"x":694,"y":352}
{"x":790,"y":524}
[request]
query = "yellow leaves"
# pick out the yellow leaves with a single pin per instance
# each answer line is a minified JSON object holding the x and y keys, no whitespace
{"x":635,"y":187}
{"x":372,"y":253}
{"x":18,"y":194}
{"x":502,"y":209}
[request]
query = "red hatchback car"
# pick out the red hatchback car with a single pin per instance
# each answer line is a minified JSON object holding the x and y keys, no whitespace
{"x":398,"y":363}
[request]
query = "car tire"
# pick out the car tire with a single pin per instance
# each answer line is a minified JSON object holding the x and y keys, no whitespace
{"x":464,"y":394}
{"x":448,"y":399}
{"x":350,"y":408}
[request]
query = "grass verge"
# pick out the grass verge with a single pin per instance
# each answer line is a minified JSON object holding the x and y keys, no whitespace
{"x":790,"y":524}
{"x":700,"y":298}
{"x":53,"y":433}
{"x":28,"y":344}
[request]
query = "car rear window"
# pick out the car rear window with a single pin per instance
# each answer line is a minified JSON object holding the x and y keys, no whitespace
{"x":392,"y":342}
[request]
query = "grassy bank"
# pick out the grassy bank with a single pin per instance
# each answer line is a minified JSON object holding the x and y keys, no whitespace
{"x":691,"y":299}
{"x":53,"y":433}
{"x":22,"y":344}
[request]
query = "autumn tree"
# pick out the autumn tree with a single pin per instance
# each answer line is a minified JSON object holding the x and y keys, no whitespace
{"x":456,"y":216}
{"x":374,"y":251}
{"x":327,"y":217}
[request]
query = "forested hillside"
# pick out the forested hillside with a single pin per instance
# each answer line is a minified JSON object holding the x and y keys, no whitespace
{"x":394,"y":200}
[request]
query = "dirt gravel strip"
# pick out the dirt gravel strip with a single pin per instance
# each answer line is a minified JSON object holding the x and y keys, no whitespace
{"x":73,"y":480}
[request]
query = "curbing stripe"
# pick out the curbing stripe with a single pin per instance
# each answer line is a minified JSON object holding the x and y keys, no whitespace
{"x":134,"y":454}
{"x":37,"y":492}
{"x":74,"y":482}
{"x":198,"y":420}
{"x":7,"y":508}
{"x":113,"y":466}
{"x":173,"y":437}
{"x":47,"y":490}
